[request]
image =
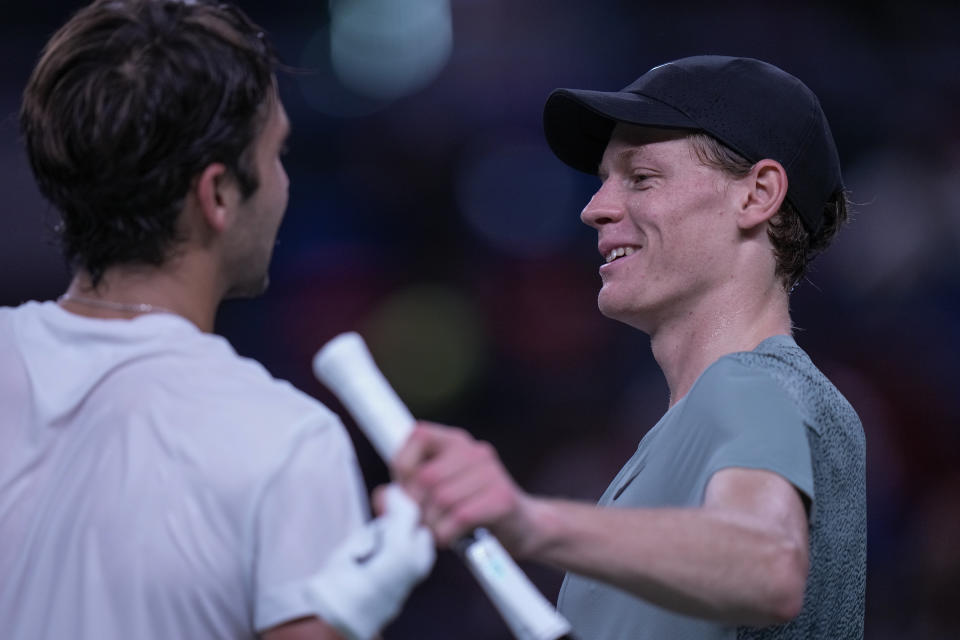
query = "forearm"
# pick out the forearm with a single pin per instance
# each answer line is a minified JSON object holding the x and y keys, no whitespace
{"x":701,"y":562}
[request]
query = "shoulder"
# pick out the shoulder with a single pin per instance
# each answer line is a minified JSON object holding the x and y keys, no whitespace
{"x":26,"y":312}
{"x":239,"y":399}
{"x":733,"y":380}
{"x":739,"y":394}
{"x":822,"y":405}
{"x":206,"y":372}
{"x":201,"y":391}
{"x":777,"y":367}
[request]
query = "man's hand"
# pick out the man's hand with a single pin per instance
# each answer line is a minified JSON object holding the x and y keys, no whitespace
{"x":461,"y":484}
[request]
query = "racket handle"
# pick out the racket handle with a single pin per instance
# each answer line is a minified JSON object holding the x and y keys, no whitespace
{"x":346,"y":367}
{"x":527,"y":613}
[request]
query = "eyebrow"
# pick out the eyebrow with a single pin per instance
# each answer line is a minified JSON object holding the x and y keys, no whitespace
{"x":622,"y":157}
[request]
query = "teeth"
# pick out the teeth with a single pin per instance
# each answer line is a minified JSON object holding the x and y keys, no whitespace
{"x":619,"y":252}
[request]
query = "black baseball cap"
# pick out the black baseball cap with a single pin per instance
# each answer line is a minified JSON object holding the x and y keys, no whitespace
{"x":753,"y":107}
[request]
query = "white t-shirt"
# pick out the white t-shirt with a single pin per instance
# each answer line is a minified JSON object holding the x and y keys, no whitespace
{"x":153,"y":484}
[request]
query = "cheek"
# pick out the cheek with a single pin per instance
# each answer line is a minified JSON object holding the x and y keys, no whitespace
{"x":691,"y":241}
{"x":705,"y":251}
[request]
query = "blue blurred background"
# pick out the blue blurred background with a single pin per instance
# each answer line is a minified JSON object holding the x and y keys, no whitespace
{"x":427,"y":213}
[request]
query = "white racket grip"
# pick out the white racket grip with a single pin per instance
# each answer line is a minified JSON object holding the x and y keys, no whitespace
{"x":529,"y":615}
{"x":346,"y":367}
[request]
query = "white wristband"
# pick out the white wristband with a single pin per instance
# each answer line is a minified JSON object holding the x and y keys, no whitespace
{"x":367,"y":578}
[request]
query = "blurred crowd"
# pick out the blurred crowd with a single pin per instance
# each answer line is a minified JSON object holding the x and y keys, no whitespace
{"x":427,"y":213}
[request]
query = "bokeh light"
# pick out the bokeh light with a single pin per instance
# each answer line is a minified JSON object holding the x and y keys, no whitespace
{"x":321,"y":87}
{"x":429,"y":344}
{"x":516,"y":196}
{"x":884,"y":258}
{"x":386,"y":49}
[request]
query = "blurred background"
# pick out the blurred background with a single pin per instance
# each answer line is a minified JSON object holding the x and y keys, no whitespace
{"x":427,"y":213}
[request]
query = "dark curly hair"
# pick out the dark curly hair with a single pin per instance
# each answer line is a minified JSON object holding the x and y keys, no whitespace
{"x":794,"y":246}
{"x":129,"y":102}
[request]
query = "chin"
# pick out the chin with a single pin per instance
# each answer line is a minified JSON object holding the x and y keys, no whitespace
{"x":611,"y":307}
{"x":623,"y":311}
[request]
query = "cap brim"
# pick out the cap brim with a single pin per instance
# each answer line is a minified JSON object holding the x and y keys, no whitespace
{"x":578,"y":123}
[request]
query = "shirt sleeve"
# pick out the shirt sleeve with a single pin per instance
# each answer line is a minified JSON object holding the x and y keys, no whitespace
{"x":307,"y":508}
{"x":756,"y":425}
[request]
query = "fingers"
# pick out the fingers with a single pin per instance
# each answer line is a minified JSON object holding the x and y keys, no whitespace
{"x":474,"y":491}
{"x":426,"y":442}
{"x":458,"y":481}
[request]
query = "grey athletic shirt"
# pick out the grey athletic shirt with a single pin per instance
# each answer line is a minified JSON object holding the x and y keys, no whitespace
{"x":772,"y":409}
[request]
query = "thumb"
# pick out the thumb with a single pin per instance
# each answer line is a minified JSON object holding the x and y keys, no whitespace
{"x":399,"y":507}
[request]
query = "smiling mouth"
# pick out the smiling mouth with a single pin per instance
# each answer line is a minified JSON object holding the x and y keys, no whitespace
{"x":619,"y":252}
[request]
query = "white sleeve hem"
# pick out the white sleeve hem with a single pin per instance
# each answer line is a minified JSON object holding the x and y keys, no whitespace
{"x":282,"y":604}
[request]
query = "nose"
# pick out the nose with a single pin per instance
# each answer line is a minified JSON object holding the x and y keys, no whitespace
{"x":604,"y":207}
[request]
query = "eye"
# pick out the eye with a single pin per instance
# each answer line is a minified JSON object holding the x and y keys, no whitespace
{"x":639,"y":180}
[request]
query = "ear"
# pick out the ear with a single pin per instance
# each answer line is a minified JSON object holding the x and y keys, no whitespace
{"x":765,"y":188}
{"x":214,"y":189}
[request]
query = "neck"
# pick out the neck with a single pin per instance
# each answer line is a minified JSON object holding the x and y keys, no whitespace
{"x":131,"y":291}
{"x":685,"y":347}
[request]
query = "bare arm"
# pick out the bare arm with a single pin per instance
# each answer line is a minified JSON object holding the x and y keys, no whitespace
{"x":742,"y":557}
{"x":302,"y":629}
